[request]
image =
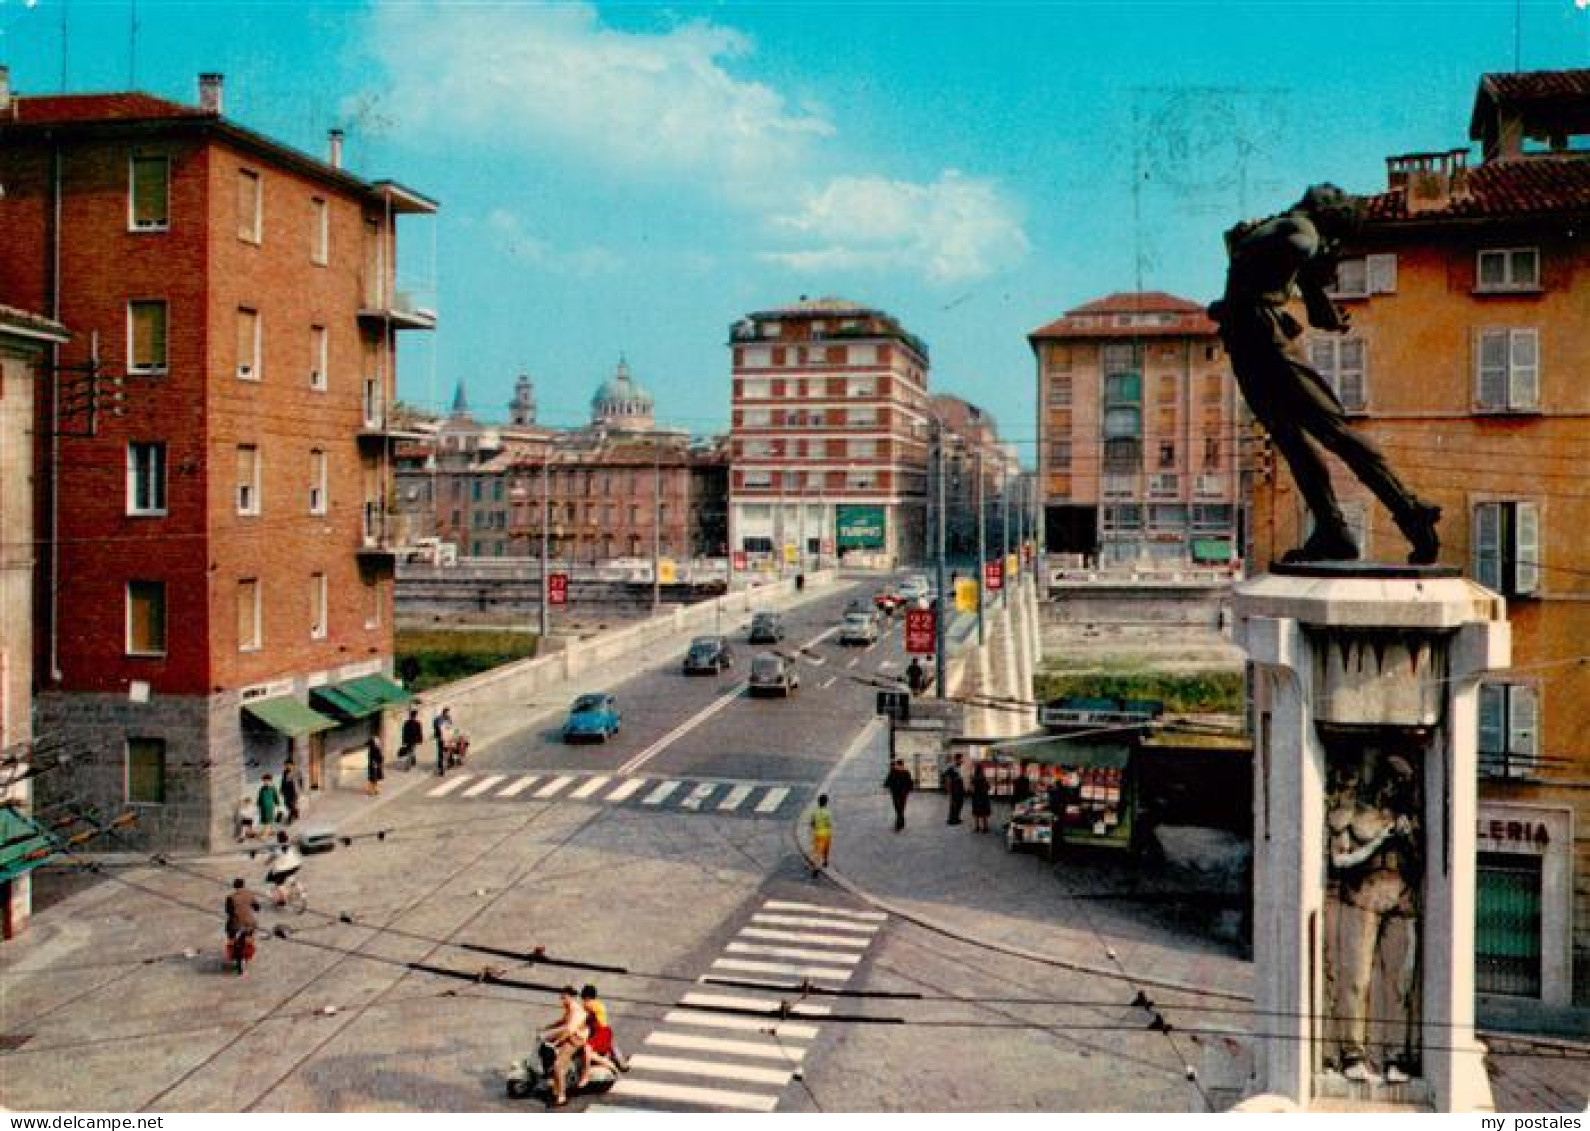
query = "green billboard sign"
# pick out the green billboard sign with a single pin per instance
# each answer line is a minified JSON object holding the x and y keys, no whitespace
{"x":861,"y":527}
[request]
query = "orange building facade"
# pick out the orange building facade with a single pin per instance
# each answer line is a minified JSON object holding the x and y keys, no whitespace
{"x":1468,"y":361}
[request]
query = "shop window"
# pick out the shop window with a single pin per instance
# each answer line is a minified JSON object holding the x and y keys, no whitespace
{"x":1509,"y":729}
{"x":146,"y":337}
{"x":149,"y":194}
{"x":1508,"y":269}
{"x":146,"y":618}
{"x":1507,"y":925}
{"x":1507,"y":547}
{"x":1507,"y":370}
{"x":146,"y":771}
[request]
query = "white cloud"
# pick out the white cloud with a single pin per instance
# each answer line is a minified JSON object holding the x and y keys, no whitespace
{"x":953,"y":229}
{"x":518,"y":241}
{"x":553,"y":74}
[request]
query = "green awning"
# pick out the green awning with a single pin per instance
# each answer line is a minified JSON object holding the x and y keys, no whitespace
{"x":360,"y":698}
{"x":1060,"y":752}
{"x":288,"y":716}
{"x":1211,"y":550}
{"x":24,"y":845}
{"x":378,"y":689}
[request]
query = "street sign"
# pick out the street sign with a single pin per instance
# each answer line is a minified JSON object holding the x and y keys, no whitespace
{"x":739,"y":561}
{"x":994,"y":575}
{"x":920,"y":632}
{"x":557,"y":589}
{"x":895,"y":705}
{"x":791,"y":553}
{"x":667,"y":572}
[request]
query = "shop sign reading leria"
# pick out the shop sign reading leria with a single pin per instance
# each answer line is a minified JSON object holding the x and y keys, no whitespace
{"x":860,"y":527}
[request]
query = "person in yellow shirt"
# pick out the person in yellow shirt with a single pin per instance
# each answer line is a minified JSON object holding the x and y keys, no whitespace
{"x":822,"y":822}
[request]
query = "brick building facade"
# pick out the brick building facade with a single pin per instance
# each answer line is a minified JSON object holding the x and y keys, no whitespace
{"x":219,"y":570}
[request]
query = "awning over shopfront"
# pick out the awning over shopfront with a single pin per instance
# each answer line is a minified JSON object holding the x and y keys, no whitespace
{"x":360,"y":698}
{"x":287,"y":716}
{"x":24,"y":844}
{"x":1060,"y":752}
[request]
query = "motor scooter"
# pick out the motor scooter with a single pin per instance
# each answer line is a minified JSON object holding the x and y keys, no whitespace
{"x":532,"y":1075}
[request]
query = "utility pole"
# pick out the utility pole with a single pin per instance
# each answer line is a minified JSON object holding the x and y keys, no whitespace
{"x":982,"y":548}
{"x":656,"y":528}
{"x":546,"y":534}
{"x":1004,"y":538}
{"x":938,"y":613}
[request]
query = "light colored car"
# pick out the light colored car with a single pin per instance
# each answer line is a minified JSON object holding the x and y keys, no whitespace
{"x":858,"y":628}
{"x":772,"y":674}
{"x":914,"y":588}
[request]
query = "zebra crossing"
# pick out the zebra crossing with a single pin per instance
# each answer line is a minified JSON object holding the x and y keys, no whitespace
{"x":715,"y":797}
{"x":711,"y":1053}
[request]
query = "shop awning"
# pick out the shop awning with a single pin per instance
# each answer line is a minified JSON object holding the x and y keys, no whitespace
{"x":1212,"y":550}
{"x":287,"y":716}
{"x":1059,"y":752}
{"x":360,"y":698}
{"x":24,"y":845}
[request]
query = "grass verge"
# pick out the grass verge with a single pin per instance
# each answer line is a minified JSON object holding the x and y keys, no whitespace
{"x":427,"y":657}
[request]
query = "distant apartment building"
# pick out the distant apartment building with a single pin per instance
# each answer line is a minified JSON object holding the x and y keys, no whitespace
{"x":1466,"y":361}
{"x":1138,"y":434}
{"x":973,"y":450}
{"x":214,"y":584}
{"x":27,"y":345}
{"x":830,"y":435}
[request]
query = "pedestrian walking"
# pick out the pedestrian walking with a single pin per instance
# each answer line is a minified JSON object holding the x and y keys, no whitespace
{"x":290,"y":791}
{"x":413,"y":738}
{"x":374,"y":766}
{"x":982,"y":799}
{"x":822,"y":823}
{"x":899,"y":785}
{"x":955,"y":788}
{"x":441,"y":725}
{"x":268,"y":802}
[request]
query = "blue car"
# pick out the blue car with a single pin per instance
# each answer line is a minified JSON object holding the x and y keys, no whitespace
{"x":593,"y":717}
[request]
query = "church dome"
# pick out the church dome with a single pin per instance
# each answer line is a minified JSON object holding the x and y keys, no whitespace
{"x":621,"y":402}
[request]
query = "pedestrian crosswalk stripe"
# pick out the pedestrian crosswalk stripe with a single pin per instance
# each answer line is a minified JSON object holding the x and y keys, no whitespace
{"x":772,"y":799}
{"x":483,"y":785}
{"x":804,"y":936}
{"x":736,"y":797}
{"x":660,"y":794}
{"x":764,"y":1049}
{"x":728,"y":1001}
{"x":627,"y":789}
{"x":448,"y":786}
{"x":808,"y":921}
{"x":790,"y":1029}
{"x":615,"y":1109}
{"x":590,"y":787}
{"x":792,"y":905}
{"x":684,"y":1066}
{"x":519,"y":786}
{"x":704,"y":1097}
{"x":826,"y":973}
{"x":699,"y":795}
{"x":554,"y":786}
{"x":795,"y":952}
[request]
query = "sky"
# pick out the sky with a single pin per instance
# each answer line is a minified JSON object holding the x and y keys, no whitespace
{"x":633,"y":178}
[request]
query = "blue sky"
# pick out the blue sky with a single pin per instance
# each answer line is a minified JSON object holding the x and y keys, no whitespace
{"x":635,"y":177}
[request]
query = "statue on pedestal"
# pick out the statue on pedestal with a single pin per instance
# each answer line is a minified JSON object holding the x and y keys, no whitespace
{"x":1271,"y":262}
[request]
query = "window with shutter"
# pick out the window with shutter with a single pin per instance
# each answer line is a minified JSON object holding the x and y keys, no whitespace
{"x":1382,"y":274}
{"x":1487,"y":545}
{"x":1350,"y":373}
{"x":1508,"y":370}
{"x":1526,"y":548}
{"x":249,"y":206}
{"x":1523,"y":725}
{"x":149,"y":203}
{"x":248,"y":615}
{"x":248,"y":501}
{"x":1493,"y":722}
{"x":248,"y":360}
{"x":1352,"y":279}
{"x":146,"y":337}
{"x":1523,"y":384}
{"x":1491,"y":389}
{"x":146,"y":618}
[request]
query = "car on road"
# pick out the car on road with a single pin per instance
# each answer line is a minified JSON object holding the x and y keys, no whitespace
{"x":888,"y":601}
{"x":594,"y":717}
{"x":708,"y":655}
{"x":858,"y":628}
{"x":914,"y":589}
{"x":766,"y":628}
{"x":772,"y":674}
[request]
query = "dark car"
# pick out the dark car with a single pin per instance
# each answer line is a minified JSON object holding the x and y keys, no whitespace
{"x":708,"y":655}
{"x":594,"y":717}
{"x":766,"y":628}
{"x":773,"y":675}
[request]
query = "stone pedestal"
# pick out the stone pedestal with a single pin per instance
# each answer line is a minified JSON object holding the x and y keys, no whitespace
{"x":1365,"y":688}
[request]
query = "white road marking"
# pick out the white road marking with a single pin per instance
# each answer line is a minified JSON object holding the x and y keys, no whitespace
{"x":626,"y":790}
{"x":794,"y":952}
{"x":829,"y":682}
{"x":590,"y":787}
{"x":660,"y":794}
{"x":683,"y":1093}
{"x":817,"y":908}
{"x":735,"y":798}
{"x":684,"y":1066}
{"x":854,"y":660}
{"x":764,"y":1049}
{"x":789,"y":969}
{"x":699,"y":795}
{"x":886,"y":665}
{"x":520,"y":786}
{"x":448,"y":786}
{"x":728,"y":1001}
{"x":772,"y":799}
{"x":787,"y":1029}
{"x":681,"y":730}
{"x":556,"y":785}
{"x":808,"y":921}
{"x":805,"y":936}
{"x":483,"y":785}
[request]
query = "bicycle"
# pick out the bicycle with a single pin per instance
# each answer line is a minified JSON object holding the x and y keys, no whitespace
{"x":291,"y":895}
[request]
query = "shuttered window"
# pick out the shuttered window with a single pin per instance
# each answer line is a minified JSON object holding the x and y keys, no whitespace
{"x":248,"y":351}
{"x":149,"y":204}
{"x":146,"y":618}
{"x":146,"y":336}
{"x":1344,"y":364}
{"x":250,"y":208}
{"x":1509,"y":728}
{"x":248,"y":615}
{"x":1507,"y":370}
{"x":1507,"y":547}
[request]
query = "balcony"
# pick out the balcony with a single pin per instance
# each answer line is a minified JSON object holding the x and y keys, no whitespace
{"x":398,"y":309}
{"x":376,"y":534}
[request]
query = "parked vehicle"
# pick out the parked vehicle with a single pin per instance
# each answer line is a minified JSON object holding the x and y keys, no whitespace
{"x":858,"y":628}
{"x":594,"y":717}
{"x":709,"y":655}
{"x":766,"y":628}
{"x":772,"y":674}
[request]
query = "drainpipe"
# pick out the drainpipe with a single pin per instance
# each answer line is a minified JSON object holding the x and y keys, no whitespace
{"x":56,"y":176}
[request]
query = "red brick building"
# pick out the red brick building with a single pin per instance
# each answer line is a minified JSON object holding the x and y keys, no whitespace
{"x":215,"y":577}
{"x":830,"y":434}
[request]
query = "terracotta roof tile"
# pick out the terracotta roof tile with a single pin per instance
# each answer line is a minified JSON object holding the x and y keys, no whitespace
{"x":64,"y":108}
{"x":1530,"y":185}
{"x":1130,"y":314}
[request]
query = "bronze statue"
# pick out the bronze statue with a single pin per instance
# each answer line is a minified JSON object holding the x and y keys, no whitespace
{"x":1271,"y":261}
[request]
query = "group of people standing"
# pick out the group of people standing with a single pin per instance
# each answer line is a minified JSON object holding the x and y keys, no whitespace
{"x":899,"y":783}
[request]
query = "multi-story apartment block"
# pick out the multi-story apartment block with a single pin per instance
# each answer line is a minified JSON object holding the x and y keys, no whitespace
{"x":1138,"y":433}
{"x":972,"y":447}
{"x":830,"y":434}
{"x":1466,"y":360}
{"x":27,"y":345}
{"x":215,"y":574}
